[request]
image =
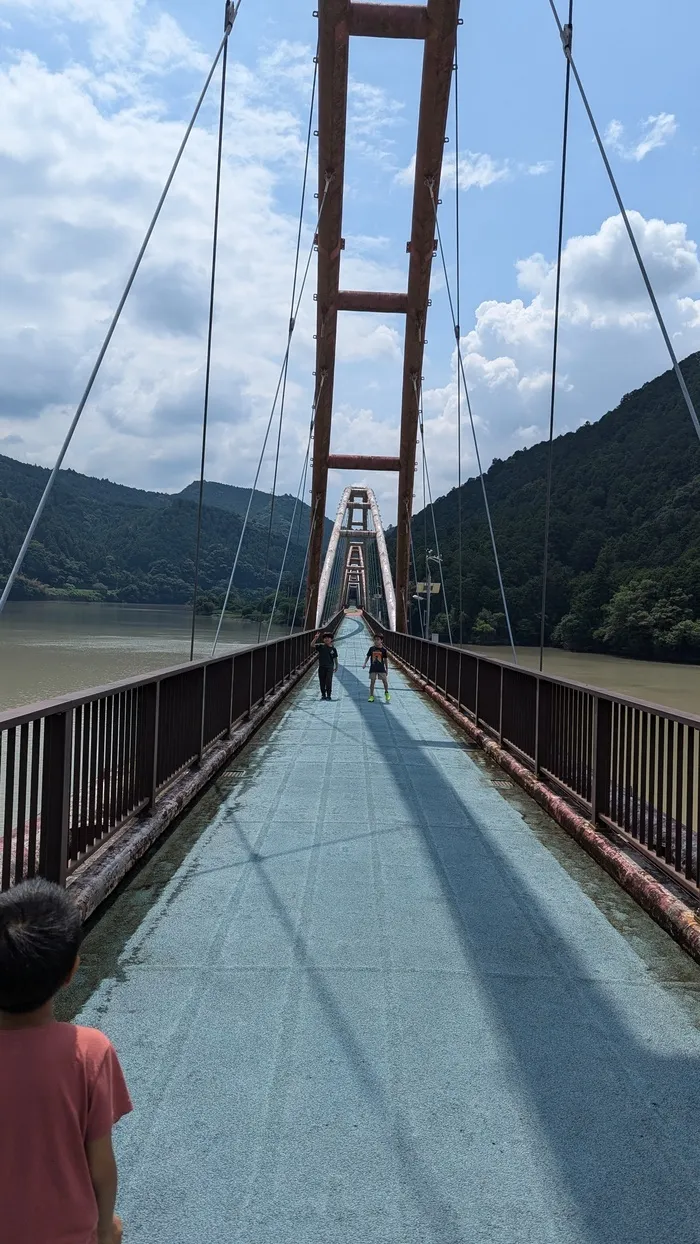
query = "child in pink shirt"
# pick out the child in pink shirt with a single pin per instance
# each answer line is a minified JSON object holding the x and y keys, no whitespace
{"x":61,"y":1086}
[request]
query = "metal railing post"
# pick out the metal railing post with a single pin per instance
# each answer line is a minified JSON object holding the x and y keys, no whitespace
{"x":55,"y":796}
{"x":230,"y":705}
{"x":202,"y":713}
{"x":537,"y":758}
{"x":146,"y":742}
{"x":476,"y":691}
{"x":601,"y":758}
{"x":154,"y":753}
{"x":500,"y":710}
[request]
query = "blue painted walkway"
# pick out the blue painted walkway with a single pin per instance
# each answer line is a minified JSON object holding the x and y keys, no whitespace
{"x":372,"y":1007}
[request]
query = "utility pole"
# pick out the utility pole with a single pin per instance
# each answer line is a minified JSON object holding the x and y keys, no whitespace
{"x":428,"y":587}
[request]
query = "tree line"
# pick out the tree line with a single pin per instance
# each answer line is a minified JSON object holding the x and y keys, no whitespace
{"x":99,"y":541}
{"x":624,"y":563}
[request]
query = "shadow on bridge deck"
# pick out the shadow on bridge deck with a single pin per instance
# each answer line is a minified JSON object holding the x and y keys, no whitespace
{"x":358,"y":1000}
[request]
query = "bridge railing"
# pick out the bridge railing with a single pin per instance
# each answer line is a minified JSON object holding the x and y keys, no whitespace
{"x":74,"y":770}
{"x":632,"y":766}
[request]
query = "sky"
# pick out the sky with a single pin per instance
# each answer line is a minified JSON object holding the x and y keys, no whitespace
{"x":94,"y":99}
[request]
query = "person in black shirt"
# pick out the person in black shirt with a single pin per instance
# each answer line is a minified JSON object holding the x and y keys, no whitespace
{"x":378,"y":658}
{"x":327,"y":662}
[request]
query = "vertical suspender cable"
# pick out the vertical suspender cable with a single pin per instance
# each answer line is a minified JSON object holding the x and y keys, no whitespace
{"x":460,"y":360}
{"x":457,"y":335}
{"x":425,"y":490}
{"x":303,"y":569}
{"x":297,"y":499}
{"x":210,"y":330}
{"x":555,"y":343}
{"x":626,"y":220}
{"x":292,"y":325}
{"x":231,"y":14}
{"x":419,"y":400}
{"x":291,"y":315}
{"x":415,"y":575}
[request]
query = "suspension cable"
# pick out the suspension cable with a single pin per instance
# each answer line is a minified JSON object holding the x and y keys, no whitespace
{"x":419,"y":401}
{"x":467,"y":398}
{"x":425,"y":498}
{"x":415,"y":575}
{"x":210,"y":331}
{"x":286,"y":548}
{"x":457,"y":336}
{"x":231,"y":15}
{"x":303,"y":569}
{"x":292,"y":326}
{"x":566,"y":43}
{"x":291,"y":313}
{"x":297,"y":499}
{"x":555,"y":342}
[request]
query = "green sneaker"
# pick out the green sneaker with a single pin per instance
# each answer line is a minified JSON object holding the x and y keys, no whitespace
{"x":387,"y":697}
{"x":371,"y":699}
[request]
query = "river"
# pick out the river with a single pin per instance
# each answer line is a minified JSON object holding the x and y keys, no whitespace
{"x":54,"y":647}
{"x":674,"y":686}
{"x":51,"y":648}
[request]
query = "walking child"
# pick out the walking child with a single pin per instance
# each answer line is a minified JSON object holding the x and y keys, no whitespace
{"x":378,"y":658}
{"x":327,"y":662}
{"x":61,"y":1086}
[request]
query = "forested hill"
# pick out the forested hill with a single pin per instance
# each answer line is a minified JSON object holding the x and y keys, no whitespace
{"x":625,"y":533}
{"x":103,"y":541}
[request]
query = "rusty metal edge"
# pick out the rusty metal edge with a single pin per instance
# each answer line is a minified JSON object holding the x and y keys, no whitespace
{"x":673,"y":916}
{"x":94,"y":880}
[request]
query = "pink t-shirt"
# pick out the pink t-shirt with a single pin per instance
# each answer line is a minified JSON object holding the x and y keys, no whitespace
{"x":60,"y":1086}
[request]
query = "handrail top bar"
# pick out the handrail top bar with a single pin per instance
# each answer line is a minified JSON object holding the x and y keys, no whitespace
{"x":63,"y":703}
{"x":628,"y":701}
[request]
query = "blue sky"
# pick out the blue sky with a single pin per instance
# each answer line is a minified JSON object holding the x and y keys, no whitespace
{"x":92,"y":103}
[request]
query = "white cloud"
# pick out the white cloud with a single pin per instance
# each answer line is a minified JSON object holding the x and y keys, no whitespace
{"x":360,"y":337}
{"x":609,"y":341}
{"x":655,"y":132}
{"x":85,"y":151}
{"x":475,"y":170}
{"x":118,"y":30}
{"x":373,"y":118}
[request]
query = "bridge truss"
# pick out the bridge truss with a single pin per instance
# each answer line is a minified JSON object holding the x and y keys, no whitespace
{"x":356,"y":567}
{"x":435,"y":23}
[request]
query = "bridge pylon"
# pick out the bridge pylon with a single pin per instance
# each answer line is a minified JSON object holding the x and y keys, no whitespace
{"x":435,"y":24}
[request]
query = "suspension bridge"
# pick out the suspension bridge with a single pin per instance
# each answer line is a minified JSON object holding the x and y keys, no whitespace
{"x":377,"y":972}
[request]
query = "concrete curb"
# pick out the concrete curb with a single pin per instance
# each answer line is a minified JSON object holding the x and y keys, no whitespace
{"x":93,"y":881}
{"x":670,"y":913}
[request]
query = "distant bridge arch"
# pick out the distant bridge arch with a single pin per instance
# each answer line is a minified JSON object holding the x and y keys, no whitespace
{"x":356,"y":541}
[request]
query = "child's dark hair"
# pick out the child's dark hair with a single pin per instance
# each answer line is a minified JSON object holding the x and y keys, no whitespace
{"x":40,"y":935}
{"x":328,"y":635}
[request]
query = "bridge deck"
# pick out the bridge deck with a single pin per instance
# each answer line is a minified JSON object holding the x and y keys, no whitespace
{"x":359,"y":1000}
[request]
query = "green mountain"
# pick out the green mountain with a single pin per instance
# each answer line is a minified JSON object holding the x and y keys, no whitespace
{"x":103,"y":541}
{"x":235,"y":500}
{"x":624,"y":567}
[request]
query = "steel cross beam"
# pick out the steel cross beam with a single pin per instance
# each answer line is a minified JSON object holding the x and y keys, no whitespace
{"x":436,"y":24}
